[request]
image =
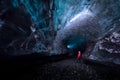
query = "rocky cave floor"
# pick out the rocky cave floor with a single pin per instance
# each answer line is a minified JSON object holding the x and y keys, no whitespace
{"x":54,"y":68}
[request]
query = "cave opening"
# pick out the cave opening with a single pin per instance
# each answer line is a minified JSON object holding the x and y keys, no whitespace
{"x":73,"y":44}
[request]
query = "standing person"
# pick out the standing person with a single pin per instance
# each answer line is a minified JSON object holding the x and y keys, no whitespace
{"x":79,"y":55}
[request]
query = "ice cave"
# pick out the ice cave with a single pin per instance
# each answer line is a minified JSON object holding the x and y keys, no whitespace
{"x":40,"y":39}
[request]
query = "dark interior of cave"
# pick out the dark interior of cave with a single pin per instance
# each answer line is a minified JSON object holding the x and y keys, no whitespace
{"x":60,"y":39}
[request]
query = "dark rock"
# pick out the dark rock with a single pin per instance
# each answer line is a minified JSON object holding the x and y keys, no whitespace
{"x":14,"y":28}
{"x":106,"y":49}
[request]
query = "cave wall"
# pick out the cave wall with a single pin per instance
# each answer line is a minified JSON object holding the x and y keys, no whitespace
{"x":25,"y":26}
{"x":106,"y":49}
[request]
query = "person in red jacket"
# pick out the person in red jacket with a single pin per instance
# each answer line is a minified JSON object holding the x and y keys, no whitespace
{"x":79,"y":55}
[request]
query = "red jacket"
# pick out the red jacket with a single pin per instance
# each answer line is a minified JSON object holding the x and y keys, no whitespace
{"x":79,"y":55}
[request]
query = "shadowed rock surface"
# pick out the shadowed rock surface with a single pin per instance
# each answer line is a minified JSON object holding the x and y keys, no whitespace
{"x":106,"y":50}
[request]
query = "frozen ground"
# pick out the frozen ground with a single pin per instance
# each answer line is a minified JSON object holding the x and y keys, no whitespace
{"x":55,"y":68}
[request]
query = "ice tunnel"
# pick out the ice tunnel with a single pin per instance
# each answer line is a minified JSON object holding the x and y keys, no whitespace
{"x":53,"y":27}
{"x":35,"y":35}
